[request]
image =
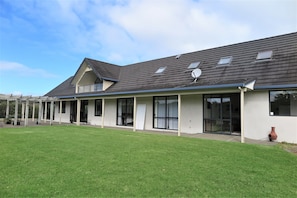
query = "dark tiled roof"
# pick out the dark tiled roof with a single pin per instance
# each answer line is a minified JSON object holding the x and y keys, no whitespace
{"x":64,"y":89}
{"x":280,"y":70}
{"x":104,"y":70}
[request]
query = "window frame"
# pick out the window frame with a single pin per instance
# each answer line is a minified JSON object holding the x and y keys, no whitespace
{"x":167,"y":118}
{"x":125,"y":112}
{"x":96,"y":111}
{"x":273,"y":107}
{"x":63,"y":107}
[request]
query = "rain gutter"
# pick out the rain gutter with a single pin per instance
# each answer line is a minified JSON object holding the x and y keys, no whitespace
{"x":276,"y":86}
{"x":155,"y":90}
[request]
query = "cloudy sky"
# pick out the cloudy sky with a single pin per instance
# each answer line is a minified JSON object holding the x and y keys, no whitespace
{"x":43,"y":42}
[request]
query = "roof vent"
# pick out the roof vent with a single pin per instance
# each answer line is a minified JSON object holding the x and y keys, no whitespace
{"x":178,"y":56}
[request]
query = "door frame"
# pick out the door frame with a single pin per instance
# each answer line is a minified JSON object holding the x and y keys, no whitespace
{"x":219,"y":123}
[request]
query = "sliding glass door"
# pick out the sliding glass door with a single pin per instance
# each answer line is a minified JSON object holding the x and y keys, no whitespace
{"x":166,"y":112}
{"x":222,"y":113}
{"x":125,"y":111}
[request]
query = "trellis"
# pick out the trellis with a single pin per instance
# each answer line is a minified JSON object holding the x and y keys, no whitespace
{"x":25,"y":101}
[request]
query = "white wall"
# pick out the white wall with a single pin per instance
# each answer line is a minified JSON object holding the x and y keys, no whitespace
{"x":65,"y":117}
{"x":92,"y":119}
{"x":191,"y":111}
{"x":110,"y":112}
{"x":258,"y":122}
{"x":192,"y":114}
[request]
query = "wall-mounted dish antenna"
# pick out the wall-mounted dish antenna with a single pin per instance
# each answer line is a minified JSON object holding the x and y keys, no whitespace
{"x":196,"y":73}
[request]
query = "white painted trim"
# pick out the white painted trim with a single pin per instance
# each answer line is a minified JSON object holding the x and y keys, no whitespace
{"x":103,"y":112}
{"x":60,"y":112}
{"x":134,"y":113}
{"x":78,"y":112}
{"x":179,"y":114}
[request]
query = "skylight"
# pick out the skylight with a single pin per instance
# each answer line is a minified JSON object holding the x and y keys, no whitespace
{"x":264,"y":55}
{"x":160,"y":70}
{"x":193,"y":65}
{"x":225,"y":60}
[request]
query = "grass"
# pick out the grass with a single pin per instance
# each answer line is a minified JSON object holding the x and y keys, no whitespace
{"x":70,"y":161}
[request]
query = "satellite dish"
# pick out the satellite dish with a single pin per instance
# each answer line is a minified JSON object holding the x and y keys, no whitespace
{"x":196,"y":73}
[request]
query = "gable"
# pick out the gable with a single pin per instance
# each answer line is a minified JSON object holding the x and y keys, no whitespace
{"x":83,"y":70}
{"x":96,"y":69}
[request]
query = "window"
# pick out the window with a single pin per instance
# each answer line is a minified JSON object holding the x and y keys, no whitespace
{"x":225,"y":60}
{"x":166,"y":112}
{"x":194,"y":65}
{"x":98,"y":107}
{"x":63,"y":106}
{"x":160,"y":70}
{"x":283,"y":103}
{"x":264,"y":55}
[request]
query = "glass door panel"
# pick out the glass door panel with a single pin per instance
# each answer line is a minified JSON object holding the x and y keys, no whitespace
{"x":172,"y":112}
{"x":160,"y":112}
{"x":84,"y":111}
{"x":212,"y":114}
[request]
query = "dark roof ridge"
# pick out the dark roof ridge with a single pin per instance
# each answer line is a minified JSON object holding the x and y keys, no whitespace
{"x":86,"y":58}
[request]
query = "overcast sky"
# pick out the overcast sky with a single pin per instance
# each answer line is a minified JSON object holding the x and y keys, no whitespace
{"x":43,"y":42}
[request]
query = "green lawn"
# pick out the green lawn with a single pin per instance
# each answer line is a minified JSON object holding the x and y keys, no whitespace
{"x":70,"y":161}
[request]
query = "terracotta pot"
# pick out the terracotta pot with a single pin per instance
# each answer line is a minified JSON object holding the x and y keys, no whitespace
{"x":272,"y":135}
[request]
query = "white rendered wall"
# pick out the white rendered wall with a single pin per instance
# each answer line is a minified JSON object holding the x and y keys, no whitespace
{"x":65,"y":117}
{"x":92,"y":119}
{"x":110,"y":112}
{"x":258,"y":122}
{"x":192,"y":114}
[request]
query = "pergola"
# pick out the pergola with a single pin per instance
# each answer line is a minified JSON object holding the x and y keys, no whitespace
{"x":25,"y":101}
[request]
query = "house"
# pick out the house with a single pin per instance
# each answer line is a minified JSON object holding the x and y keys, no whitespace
{"x":240,"y":89}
